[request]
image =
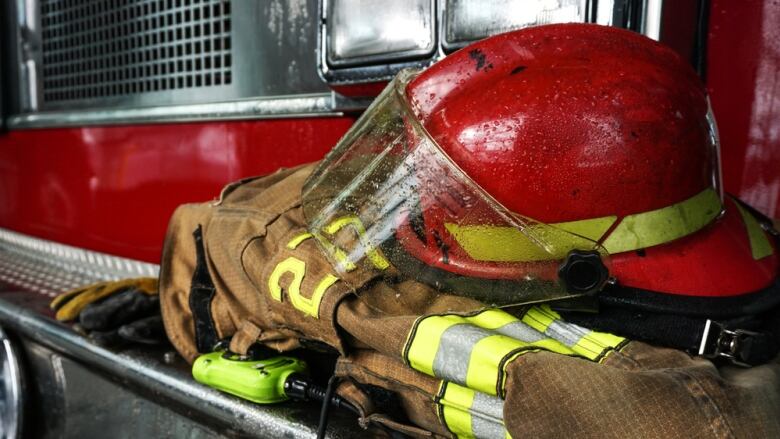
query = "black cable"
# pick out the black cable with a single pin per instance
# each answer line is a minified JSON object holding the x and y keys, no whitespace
{"x":300,"y":388}
{"x":326,"y":401}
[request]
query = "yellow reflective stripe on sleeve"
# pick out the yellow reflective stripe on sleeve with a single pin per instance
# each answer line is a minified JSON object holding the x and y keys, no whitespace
{"x":659,"y":226}
{"x":486,"y":360}
{"x":423,"y":343}
{"x":455,"y":404}
{"x":457,"y":349}
{"x":474,"y":351}
{"x":491,"y":319}
{"x":582,"y":342}
{"x":470,"y":414}
{"x":539,"y":242}
{"x":760,"y":246}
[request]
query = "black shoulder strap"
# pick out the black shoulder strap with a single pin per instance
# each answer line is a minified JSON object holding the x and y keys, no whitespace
{"x":201,"y":294}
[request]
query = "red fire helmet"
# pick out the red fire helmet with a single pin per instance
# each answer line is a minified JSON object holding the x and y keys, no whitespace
{"x":606,"y":133}
{"x":589,"y":135}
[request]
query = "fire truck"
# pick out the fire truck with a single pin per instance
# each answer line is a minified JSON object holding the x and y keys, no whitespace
{"x":114,"y":112}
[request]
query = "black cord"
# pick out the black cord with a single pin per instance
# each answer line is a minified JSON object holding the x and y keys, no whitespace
{"x":300,"y":388}
{"x":326,"y":401}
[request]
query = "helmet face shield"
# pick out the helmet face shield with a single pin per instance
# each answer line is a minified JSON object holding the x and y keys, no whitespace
{"x":388,"y":201}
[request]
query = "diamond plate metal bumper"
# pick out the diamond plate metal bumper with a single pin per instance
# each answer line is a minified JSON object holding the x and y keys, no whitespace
{"x":49,"y":268}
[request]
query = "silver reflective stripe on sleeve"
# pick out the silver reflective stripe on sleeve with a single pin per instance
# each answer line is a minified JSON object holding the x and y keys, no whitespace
{"x":487,"y":416}
{"x":520,"y":331}
{"x":457,"y":341}
{"x":470,"y":414}
{"x":567,"y":334}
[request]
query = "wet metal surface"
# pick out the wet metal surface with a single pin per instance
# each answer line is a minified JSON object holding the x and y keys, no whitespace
{"x":79,"y":389}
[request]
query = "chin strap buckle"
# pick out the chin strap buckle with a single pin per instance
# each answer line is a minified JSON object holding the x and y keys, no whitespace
{"x":732,"y":344}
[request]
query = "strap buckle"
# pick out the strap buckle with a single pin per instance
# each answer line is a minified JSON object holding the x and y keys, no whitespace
{"x":719,"y":342}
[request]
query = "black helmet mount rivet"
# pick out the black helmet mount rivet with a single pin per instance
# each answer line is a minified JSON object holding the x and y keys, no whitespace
{"x":583,"y":272}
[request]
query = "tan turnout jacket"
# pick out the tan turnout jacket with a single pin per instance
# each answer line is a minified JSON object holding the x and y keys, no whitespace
{"x":521,"y":372}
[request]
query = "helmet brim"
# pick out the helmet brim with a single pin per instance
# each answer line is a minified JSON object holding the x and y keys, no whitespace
{"x":727,"y":268}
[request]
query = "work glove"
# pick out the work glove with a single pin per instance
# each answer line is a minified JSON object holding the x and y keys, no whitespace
{"x":114,"y":312}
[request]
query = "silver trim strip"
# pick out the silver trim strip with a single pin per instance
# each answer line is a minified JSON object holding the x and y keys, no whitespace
{"x":652,"y":19}
{"x":312,"y":105}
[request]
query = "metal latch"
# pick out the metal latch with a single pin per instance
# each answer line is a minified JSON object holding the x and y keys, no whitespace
{"x":719,"y":342}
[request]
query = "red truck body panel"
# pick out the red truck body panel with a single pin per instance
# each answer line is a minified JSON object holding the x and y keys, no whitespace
{"x":112,"y":189}
{"x":743,"y":76}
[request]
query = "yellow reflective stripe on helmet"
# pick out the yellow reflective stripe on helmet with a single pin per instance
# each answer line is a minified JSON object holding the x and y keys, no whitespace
{"x":760,"y":246}
{"x":474,"y":351}
{"x":536,"y":243}
{"x":592,"y":229}
{"x":542,"y":242}
{"x":470,"y":414}
{"x":663,"y":225}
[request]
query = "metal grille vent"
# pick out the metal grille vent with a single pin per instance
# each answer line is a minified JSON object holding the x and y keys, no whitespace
{"x":99,"y":49}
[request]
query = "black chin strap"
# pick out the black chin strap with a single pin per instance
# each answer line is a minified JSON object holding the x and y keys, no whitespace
{"x":745,"y":341}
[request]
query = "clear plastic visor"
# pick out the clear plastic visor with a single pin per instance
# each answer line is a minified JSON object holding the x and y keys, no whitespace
{"x":388,"y":193}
